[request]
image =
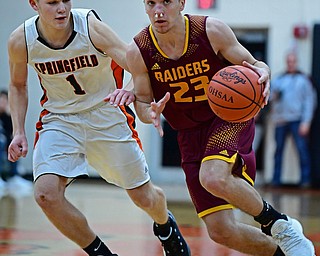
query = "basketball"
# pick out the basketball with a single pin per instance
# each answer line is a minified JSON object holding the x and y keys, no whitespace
{"x":234,"y":94}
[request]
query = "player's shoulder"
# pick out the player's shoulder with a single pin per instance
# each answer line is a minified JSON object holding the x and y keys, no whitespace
{"x":17,"y":37}
{"x":216,"y":25}
{"x":84,"y":15}
{"x":142,"y":39}
{"x":95,"y":23}
{"x":219,"y":33}
{"x":17,"y":44}
{"x":143,"y":34}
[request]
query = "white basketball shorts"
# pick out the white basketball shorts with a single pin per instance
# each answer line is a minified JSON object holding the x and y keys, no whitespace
{"x":101,"y":137}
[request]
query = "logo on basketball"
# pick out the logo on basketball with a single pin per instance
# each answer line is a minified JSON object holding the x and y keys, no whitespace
{"x":221,"y":95}
{"x":233,"y":76}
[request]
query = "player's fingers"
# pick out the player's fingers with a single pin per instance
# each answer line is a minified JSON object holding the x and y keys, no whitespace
{"x":152,"y":116}
{"x":266,"y":92}
{"x":266,"y":99}
{"x":246,"y":64}
{"x":264,"y":79}
{"x":128,"y":99}
{"x":249,"y":65}
{"x":11,"y":158}
{"x":156,"y":108}
{"x":119,"y":99}
{"x":157,"y":125}
{"x":161,"y":103}
{"x":160,"y":130}
{"x":109,"y":98}
{"x":13,"y":155}
{"x":24,"y":151}
{"x":266,"y":95}
{"x":114,"y":97}
{"x":166,"y":98}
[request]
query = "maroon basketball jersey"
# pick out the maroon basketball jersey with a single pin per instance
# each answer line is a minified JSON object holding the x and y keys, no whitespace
{"x":188,"y":81}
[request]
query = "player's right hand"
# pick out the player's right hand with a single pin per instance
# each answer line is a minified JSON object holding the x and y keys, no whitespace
{"x":17,"y":148}
{"x":264,"y":73}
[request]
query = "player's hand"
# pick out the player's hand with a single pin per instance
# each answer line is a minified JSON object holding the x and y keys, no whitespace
{"x":155,"y":111}
{"x":264,"y":79}
{"x":17,"y":148}
{"x":120,"y":97}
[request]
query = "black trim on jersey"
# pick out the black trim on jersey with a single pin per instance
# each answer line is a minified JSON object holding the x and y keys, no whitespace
{"x":131,"y":113}
{"x":43,"y":41}
{"x":97,"y":16}
{"x":25,"y":38}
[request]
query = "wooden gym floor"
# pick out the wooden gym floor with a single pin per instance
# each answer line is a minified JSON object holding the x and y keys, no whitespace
{"x":127,"y":230}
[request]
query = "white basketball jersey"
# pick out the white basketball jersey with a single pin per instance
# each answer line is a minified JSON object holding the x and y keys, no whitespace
{"x":76,"y":77}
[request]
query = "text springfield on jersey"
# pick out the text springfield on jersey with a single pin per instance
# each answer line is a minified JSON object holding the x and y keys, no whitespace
{"x":68,"y":65}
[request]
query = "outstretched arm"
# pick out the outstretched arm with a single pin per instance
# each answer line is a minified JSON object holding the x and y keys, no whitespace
{"x":147,"y":110}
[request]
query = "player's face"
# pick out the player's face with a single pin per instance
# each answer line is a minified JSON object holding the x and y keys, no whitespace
{"x":53,"y":13}
{"x":163,"y":14}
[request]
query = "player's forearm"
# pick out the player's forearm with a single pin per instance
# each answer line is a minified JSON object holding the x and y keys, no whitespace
{"x":143,"y":111}
{"x":18,"y":98}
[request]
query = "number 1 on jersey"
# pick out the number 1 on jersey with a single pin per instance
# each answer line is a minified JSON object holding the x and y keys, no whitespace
{"x":77,"y":88}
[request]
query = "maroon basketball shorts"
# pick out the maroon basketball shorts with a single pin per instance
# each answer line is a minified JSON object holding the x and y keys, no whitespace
{"x":231,"y":142}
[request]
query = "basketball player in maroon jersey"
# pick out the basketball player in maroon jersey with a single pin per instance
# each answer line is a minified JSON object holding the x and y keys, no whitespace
{"x":172,"y":62}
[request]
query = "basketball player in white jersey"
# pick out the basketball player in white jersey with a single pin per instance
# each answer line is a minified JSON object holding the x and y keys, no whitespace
{"x":79,"y":60}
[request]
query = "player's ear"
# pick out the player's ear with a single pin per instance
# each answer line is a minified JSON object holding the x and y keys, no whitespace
{"x":34,"y":4}
{"x":182,"y":4}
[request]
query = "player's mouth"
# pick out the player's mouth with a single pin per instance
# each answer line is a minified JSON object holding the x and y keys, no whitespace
{"x":61,"y":18}
{"x":160,"y":23}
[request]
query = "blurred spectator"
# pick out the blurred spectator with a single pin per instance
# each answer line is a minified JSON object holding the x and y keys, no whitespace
{"x":10,"y":180}
{"x":292,"y":103}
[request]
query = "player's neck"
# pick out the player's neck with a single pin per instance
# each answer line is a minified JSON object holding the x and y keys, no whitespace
{"x":172,"y":43}
{"x":55,"y":37}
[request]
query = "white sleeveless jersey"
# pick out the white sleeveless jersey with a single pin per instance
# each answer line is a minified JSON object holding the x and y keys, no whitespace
{"x":76,"y":77}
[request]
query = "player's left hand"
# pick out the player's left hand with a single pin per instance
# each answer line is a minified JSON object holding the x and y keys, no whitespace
{"x":264,"y":79}
{"x":155,"y":111}
{"x":120,"y":97}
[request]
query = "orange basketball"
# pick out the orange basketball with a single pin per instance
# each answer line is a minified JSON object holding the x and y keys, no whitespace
{"x":234,"y":94}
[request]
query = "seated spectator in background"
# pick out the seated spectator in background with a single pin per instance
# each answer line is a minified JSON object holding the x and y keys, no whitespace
{"x":292,"y":107}
{"x":11,"y":181}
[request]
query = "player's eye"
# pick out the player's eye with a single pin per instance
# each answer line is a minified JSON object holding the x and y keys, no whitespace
{"x":150,"y":2}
